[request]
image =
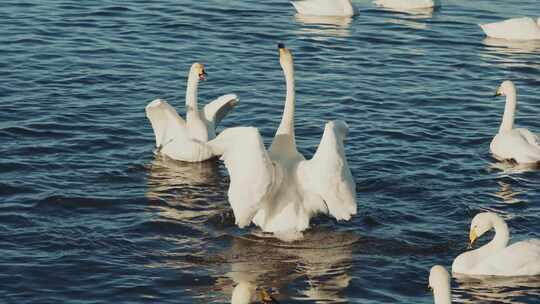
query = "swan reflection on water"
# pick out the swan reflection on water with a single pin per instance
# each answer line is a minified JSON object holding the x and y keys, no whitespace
{"x":322,"y":26}
{"x":493,"y":289}
{"x":190,"y":190}
{"x":316,"y":269}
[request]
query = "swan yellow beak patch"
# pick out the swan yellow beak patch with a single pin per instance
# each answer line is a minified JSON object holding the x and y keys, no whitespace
{"x":472,"y":237}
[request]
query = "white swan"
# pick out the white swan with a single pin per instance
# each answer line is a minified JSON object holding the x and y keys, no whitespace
{"x":496,"y":258}
{"x":439,"y":282}
{"x":337,"y":8}
{"x":407,"y":4}
{"x":524,"y":28}
{"x":278,"y":189}
{"x":186,"y":140}
{"x":518,"y":145}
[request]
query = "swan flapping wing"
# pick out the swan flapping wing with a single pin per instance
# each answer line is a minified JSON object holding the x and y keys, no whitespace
{"x":250,"y":169}
{"x":327,"y":175}
{"x":219,"y":108}
{"x":166,"y":122}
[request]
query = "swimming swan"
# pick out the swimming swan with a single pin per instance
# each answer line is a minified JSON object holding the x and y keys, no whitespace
{"x":496,"y":258}
{"x":407,"y":4}
{"x":524,"y":28}
{"x":337,"y":8}
{"x":439,"y":282}
{"x":518,"y":145}
{"x":279,"y":190}
{"x":186,"y":140}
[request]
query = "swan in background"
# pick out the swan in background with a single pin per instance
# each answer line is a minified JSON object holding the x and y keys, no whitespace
{"x":517,"y":145}
{"x":185,"y":140}
{"x":279,"y":190}
{"x":337,"y":8}
{"x":439,"y":282}
{"x":407,"y":5}
{"x":496,"y":258}
{"x":524,"y":28}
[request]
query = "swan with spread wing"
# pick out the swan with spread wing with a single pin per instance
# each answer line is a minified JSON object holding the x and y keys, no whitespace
{"x":185,"y":140}
{"x":278,"y":189}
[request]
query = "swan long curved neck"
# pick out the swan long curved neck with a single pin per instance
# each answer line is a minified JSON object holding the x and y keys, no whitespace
{"x":287,"y":121}
{"x":191,"y":96}
{"x":442,"y":295}
{"x":499,"y":241}
{"x":507,"y":123}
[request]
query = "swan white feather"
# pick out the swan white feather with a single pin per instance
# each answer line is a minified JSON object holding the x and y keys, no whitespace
{"x":496,"y":258}
{"x":524,"y":28}
{"x":341,"y":8}
{"x":278,"y":190}
{"x":407,"y":4}
{"x":517,"y":144}
{"x":439,"y":282}
{"x":186,"y":140}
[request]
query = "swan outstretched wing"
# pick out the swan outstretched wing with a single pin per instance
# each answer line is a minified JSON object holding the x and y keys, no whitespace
{"x":250,"y":169}
{"x":166,"y":122}
{"x":219,"y":108}
{"x":327,"y":176}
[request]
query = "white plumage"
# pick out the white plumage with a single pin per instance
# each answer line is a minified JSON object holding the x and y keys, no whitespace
{"x":497,"y":258}
{"x":407,"y":4}
{"x":279,"y":190}
{"x":524,"y":28}
{"x":519,"y":145}
{"x":186,"y":140}
{"x":341,"y":8}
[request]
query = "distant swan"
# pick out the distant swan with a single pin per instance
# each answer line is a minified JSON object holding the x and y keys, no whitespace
{"x":524,"y":28}
{"x":439,"y":282}
{"x":407,"y":4}
{"x":341,"y":8}
{"x":186,"y":140}
{"x":497,"y":258}
{"x":278,"y":189}
{"x":518,"y":145}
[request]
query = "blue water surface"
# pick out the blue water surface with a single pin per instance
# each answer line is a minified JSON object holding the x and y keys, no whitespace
{"x":89,"y":215}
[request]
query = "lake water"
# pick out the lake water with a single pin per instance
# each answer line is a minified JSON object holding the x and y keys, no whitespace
{"x":89,"y":215}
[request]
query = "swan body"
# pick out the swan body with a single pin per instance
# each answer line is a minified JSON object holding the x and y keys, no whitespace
{"x":439,"y":282}
{"x":336,"y":8}
{"x":185,"y":140}
{"x":407,"y":4}
{"x":496,"y":258}
{"x":524,"y":28}
{"x":244,"y":293}
{"x":519,"y":145}
{"x":278,"y":189}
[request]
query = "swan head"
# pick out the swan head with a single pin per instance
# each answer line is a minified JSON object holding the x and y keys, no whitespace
{"x":198,"y":70}
{"x":481,"y":223}
{"x":506,"y":88}
{"x":285,"y":56}
{"x":438,"y":278}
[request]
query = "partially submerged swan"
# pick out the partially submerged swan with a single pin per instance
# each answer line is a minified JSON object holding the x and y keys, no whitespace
{"x":497,"y":258}
{"x":524,"y":28}
{"x":279,"y":190}
{"x":515,"y":144}
{"x":336,"y":8}
{"x":185,"y":140}
{"x":439,"y":282}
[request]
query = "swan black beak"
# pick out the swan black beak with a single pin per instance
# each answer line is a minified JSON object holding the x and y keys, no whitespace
{"x":281,"y":45}
{"x":202,"y":76}
{"x":498,"y":93}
